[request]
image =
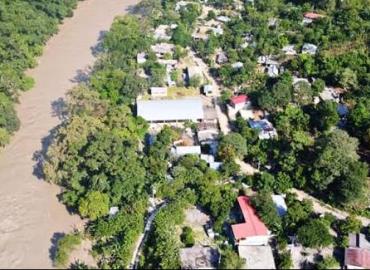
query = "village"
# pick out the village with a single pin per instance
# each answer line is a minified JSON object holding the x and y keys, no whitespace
{"x":190,"y":100}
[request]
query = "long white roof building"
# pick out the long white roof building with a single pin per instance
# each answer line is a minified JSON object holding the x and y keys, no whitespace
{"x":170,"y":110}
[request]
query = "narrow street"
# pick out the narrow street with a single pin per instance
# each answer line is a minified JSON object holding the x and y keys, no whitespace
{"x":144,"y":236}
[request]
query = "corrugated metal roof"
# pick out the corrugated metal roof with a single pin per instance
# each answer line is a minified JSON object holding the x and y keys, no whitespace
{"x":253,"y":225}
{"x":170,"y":110}
{"x":359,"y":257}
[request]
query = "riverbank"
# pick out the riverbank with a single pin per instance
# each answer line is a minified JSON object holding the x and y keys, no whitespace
{"x":31,"y":216}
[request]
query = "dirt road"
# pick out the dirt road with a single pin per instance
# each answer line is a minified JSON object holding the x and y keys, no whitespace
{"x":31,"y":217}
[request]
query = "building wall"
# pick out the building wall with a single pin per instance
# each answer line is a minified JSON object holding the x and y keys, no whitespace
{"x":254,"y":241}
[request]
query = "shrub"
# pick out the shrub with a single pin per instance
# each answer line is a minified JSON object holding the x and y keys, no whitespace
{"x":64,"y":247}
{"x":187,"y":237}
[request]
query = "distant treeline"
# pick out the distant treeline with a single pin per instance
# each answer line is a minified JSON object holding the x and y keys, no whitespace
{"x":25,"y":26}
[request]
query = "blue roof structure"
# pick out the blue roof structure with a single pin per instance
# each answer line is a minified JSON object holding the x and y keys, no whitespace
{"x":170,"y":109}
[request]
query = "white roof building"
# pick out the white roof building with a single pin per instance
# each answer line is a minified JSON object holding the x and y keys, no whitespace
{"x":215,"y":165}
{"x":223,"y":19}
{"x":221,"y":58}
{"x":141,"y":58}
{"x":218,"y":31}
{"x":257,"y":257}
{"x":162,"y":48}
{"x":237,"y":65}
{"x":289,"y":50}
{"x":186,"y":150}
{"x":170,"y":110}
{"x":208,"y":89}
{"x":281,"y":207}
{"x":160,"y":33}
{"x":207,"y":158}
{"x":181,"y":4}
{"x":199,"y":257}
{"x":272,"y":71}
{"x":194,"y":71}
{"x":309,"y":48}
{"x":329,"y":93}
{"x":158,"y":91}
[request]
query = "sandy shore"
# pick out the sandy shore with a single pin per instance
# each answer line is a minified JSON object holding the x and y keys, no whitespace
{"x":30,"y":214}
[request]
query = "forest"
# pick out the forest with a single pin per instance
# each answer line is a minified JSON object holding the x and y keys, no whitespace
{"x":25,"y":26}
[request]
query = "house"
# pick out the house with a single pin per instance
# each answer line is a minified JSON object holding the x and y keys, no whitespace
{"x":239,"y":102}
{"x":297,"y":80}
{"x":209,"y":230}
{"x":281,"y":207}
{"x":161,"y":49}
{"x":267,"y":60}
{"x":272,"y":22}
{"x":289,"y":50}
{"x":357,"y":258}
{"x":309,"y":17}
{"x":237,"y":65}
{"x":309,"y":48}
{"x":273,"y":71}
{"x":160,"y":33}
{"x":313,"y":15}
{"x":253,"y":232}
{"x":198,"y":257}
{"x":158,"y":91}
{"x":207,"y":158}
{"x":208,"y":90}
{"x":141,"y":58}
{"x":168,"y":62}
{"x":207,"y":131}
{"x":180,"y":5}
{"x":223,"y":19}
{"x":215,"y":165}
{"x":266,"y":129}
{"x":358,"y":240}
{"x":170,"y":110}
{"x":221,"y":58}
{"x":179,"y":150}
{"x":194,"y":71}
{"x":330,"y":93}
{"x":257,"y":257}
{"x":218,"y":30}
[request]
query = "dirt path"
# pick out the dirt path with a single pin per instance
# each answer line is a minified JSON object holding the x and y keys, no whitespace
{"x":30,"y":214}
{"x":322,"y":208}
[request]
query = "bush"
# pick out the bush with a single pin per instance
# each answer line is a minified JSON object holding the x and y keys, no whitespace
{"x":328,"y":263}
{"x":314,"y":234}
{"x":187,"y":237}
{"x":64,"y":247}
{"x":284,"y":260}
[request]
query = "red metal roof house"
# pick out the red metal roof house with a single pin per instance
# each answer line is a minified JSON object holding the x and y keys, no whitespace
{"x":253,"y":231}
{"x":312,"y":15}
{"x":357,"y":258}
{"x":239,"y":102}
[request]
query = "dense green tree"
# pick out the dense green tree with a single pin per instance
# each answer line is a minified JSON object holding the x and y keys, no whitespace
{"x":266,"y":210}
{"x":327,"y":115}
{"x":232,"y":145}
{"x":314,"y":234}
{"x":94,"y":205}
{"x":181,"y":36}
{"x":231,"y":260}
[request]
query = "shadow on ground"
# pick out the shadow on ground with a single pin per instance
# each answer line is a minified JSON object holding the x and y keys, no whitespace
{"x":54,"y":244}
{"x":40,"y":155}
